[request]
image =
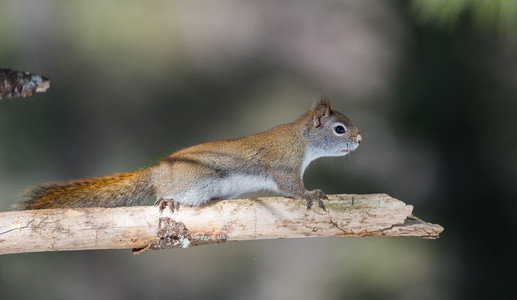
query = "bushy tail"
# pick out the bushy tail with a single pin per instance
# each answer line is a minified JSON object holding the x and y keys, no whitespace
{"x":111,"y":191}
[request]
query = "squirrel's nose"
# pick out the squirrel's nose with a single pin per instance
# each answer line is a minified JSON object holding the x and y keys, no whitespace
{"x":359,"y":139}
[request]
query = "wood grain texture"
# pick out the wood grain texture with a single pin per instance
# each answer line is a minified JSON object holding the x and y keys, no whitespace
{"x":222,"y":221}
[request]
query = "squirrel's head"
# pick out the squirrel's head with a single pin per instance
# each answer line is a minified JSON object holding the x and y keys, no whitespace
{"x":331,"y":133}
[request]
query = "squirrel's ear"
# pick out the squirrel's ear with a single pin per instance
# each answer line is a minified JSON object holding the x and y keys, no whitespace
{"x":320,"y":110}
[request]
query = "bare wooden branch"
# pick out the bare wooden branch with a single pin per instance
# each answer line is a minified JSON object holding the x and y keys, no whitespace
{"x":143,"y":228}
{"x":21,"y":84}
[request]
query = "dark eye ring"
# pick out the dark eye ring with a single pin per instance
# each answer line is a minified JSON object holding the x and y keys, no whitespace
{"x":339,"y":129}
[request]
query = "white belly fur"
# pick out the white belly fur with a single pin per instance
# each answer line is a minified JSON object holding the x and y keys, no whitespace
{"x":220,"y":188}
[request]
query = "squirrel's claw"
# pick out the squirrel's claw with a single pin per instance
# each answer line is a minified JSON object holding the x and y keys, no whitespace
{"x":316,"y":195}
{"x":162,"y":204}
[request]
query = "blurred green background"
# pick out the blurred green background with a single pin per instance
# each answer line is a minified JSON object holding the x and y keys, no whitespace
{"x":431,"y":84}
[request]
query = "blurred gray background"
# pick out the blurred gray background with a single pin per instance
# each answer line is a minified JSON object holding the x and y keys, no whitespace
{"x":431,"y":85}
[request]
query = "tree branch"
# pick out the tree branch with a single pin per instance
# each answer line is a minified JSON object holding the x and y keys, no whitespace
{"x":21,"y":84}
{"x":143,"y":228}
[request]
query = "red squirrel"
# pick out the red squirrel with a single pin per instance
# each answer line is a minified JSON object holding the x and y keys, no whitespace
{"x":274,"y":160}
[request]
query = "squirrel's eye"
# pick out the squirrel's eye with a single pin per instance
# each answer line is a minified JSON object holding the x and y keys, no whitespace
{"x":339,"y":129}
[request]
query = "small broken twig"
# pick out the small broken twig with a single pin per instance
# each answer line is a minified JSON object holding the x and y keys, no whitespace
{"x":21,"y":84}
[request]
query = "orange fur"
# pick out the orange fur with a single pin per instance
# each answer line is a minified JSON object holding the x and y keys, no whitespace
{"x":99,"y":191}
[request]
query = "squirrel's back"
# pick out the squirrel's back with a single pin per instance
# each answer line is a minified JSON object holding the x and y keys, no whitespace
{"x":116,"y":190}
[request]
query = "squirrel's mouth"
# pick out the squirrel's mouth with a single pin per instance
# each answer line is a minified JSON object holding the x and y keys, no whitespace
{"x":349,"y":147}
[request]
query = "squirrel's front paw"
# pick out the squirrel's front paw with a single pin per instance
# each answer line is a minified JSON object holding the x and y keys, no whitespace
{"x":315,"y":195}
